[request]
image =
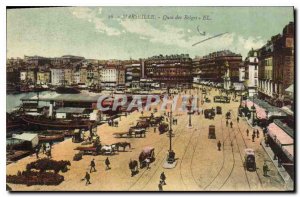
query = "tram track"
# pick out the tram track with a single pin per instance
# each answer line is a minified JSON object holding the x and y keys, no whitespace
{"x":246,"y":146}
{"x":223,"y":160}
{"x":233,"y":165}
{"x":162,"y":147}
{"x":184,"y":155}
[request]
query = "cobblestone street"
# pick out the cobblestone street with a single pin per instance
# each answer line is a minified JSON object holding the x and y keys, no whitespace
{"x":200,"y":166}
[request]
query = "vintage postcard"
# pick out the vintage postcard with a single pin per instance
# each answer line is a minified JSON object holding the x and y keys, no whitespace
{"x":150,"y":99}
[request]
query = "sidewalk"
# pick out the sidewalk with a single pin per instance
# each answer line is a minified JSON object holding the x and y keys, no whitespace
{"x":289,"y":183}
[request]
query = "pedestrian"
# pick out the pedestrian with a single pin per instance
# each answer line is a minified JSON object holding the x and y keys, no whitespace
{"x":160,"y":186}
{"x":257,"y":133}
{"x":147,"y":161}
{"x":163,"y":178}
{"x":50,"y":144}
{"x":238,"y":119}
{"x":219,"y":145}
{"x":253,"y":137}
{"x":154,"y":129}
{"x":93,"y":166}
{"x":231,"y":124}
{"x":107,"y":163}
{"x":267,"y":141}
{"x":87,"y":178}
{"x":265,"y":169}
{"x":247,"y":131}
{"x":226,"y":123}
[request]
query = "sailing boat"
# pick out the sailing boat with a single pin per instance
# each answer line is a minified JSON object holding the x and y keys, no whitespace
{"x":63,"y":89}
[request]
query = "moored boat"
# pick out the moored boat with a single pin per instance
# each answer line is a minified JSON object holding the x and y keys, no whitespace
{"x":46,"y":123}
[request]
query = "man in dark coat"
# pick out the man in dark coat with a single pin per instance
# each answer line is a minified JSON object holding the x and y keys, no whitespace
{"x":219,"y":145}
{"x":87,"y":178}
{"x":107,"y":163}
{"x":253,"y":137}
{"x":163,"y":178}
{"x":93,"y":166}
{"x":265,"y":169}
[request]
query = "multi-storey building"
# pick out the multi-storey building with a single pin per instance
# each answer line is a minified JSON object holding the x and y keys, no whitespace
{"x":276,"y":67}
{"x":108,"y":76}
{"x":28,"y":76}
{"x":169,"y":70}
{"x":132,"y":75}
{"x":212,"y":67}
{"x":43,"y":77}
{"x":57,"y":76}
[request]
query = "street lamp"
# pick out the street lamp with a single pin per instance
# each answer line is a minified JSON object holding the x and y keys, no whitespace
{"x":253,"y":110}
{"x":171,"y":153}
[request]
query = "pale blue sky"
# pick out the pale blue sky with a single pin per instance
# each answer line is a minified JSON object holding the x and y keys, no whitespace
{"x":88,"y":32}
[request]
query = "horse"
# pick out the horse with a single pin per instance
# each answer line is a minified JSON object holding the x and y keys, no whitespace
{"x":108,"y":149}
{"x":140,"y":132}
{"x":123,"y":145}
{"x":133,"y":166}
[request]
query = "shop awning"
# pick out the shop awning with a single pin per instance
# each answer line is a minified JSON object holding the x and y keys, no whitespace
{"x":260,"y":112}
{"x":282,"y":139}
{"x":261,"y":107}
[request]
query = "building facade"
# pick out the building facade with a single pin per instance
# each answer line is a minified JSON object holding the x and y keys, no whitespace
{"x":43,"y":77}
{"x":57,"y":76}
{"x":276,"y":67}
{"x":212,"y":67}
{"x":251,"y":73}
{"x":169,"y":71}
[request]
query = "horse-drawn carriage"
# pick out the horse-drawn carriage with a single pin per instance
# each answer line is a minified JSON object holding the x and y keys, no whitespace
{"x":219,"y":110}
{"x":221,"y":99}
{"x":156,"y":120}
{"x":211,"y":132}
{"x":147,"y":153}
{"x":137,"y":131}
{"x":143,"y":123}
{"x":122,"y":145}
{"x":250,"y":159}
{"x":163,"y":127}
{"x":86,"y":150}
{"x":98,"y":149}
{"x":209,"y":113}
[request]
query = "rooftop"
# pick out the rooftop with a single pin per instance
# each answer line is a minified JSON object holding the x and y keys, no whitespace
{"x":73,"y":110}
